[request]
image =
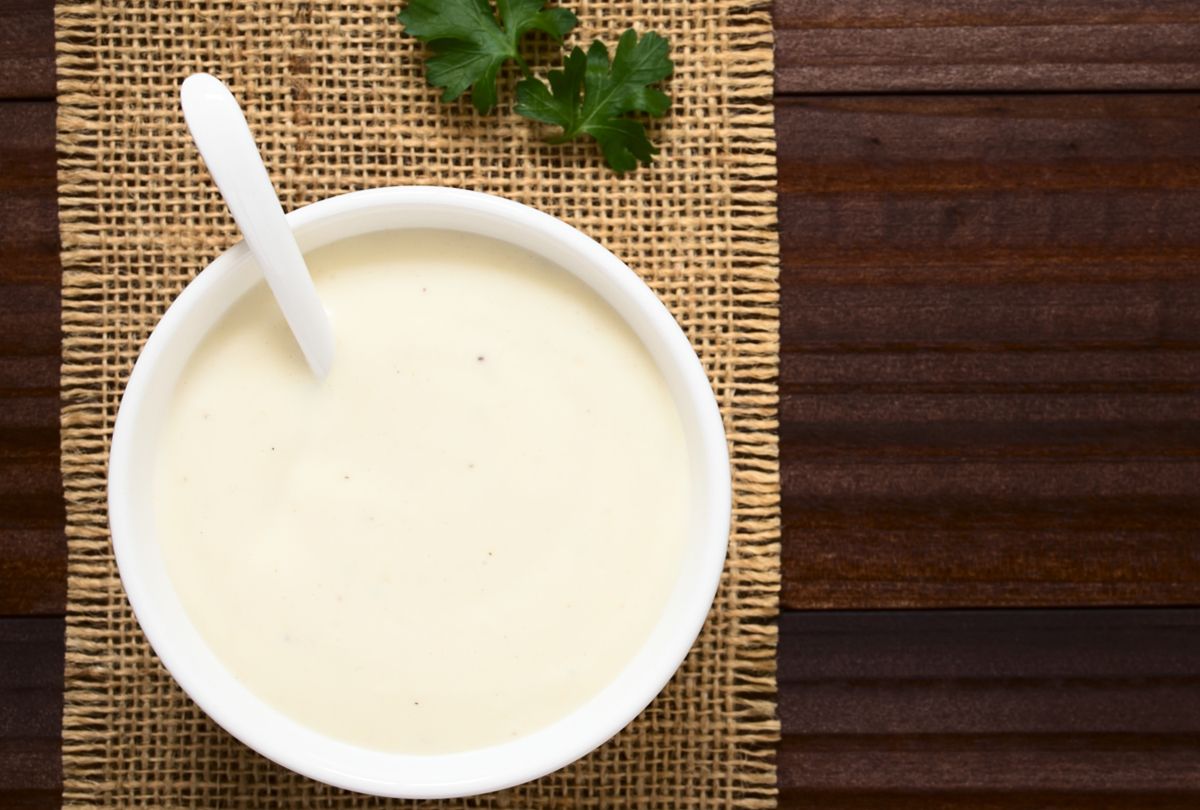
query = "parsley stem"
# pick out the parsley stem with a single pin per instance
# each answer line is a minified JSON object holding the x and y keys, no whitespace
{"x":525,"y":71}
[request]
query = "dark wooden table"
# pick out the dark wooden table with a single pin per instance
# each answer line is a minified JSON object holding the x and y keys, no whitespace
{"x":990,"y":221}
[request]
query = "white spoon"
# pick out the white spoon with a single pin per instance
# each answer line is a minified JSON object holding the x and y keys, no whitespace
{"x":224,"y":139}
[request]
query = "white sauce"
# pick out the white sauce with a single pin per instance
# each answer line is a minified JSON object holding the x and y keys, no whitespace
{"x":459,"y":537}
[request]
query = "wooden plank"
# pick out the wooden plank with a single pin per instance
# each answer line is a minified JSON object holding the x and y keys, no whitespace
{"x":855,"y":46}
{"x":32,"y":543}
{"x":992,"y":709}
{"x":33,"y":560}
{"x":28,"y":200}
{"x":31,"y":683}
{"x":27,"y":49}
{"x":990,"y":382}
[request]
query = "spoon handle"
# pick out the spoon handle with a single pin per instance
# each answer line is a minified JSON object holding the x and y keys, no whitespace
{"x":223,"y":138}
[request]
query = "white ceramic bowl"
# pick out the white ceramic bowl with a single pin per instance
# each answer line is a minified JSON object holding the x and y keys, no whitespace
{"x":266,"y":730}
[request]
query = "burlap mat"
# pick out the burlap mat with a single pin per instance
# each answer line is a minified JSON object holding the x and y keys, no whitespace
{"x":338,"y":101}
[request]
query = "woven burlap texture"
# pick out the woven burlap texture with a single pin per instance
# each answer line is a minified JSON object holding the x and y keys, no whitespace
{"x":337,"y":98}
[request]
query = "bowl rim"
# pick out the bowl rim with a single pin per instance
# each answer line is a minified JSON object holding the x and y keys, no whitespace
{"x":440,"y":775}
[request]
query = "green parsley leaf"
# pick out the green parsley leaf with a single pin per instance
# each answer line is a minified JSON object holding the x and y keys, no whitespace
{"x":470,"y":44}
{"x":590,"y":96}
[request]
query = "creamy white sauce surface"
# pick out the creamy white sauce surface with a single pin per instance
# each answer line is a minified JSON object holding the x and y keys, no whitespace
{"x":461,"y":535}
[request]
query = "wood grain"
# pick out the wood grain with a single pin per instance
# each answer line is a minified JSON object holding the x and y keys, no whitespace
{"x":31,"y":682}
{"x":33,"y":565}
{"x":991,"y":350}
{"x":32,"y":543}
{"x":27,"y":49}
{"x":990,"y":709}
{"x":871,"y":46}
